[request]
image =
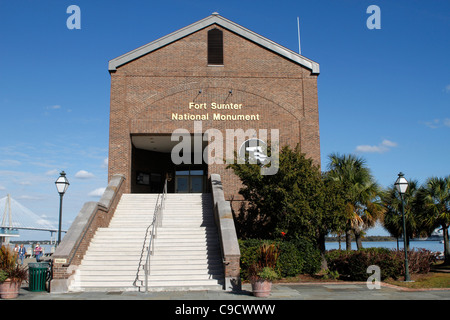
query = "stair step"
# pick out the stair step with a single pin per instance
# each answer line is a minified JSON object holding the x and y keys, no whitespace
{"x":162,"y":247}
{"x":130,"y":278}
{"x":189,"y":229}
{"x":154,"y":286}
{"x":195,"y":263}
{"x":183,"y":259}
{"x":110,"y":274}
{"x":101,"y":268}
{"x":107,"y":284}
{"x":115,"y":241}
{"x":109,"y":257}
{"x":182,"y":269}
{"x":178,"y":283}
{"x":122,"y":229}
{"x":184,"y":277}
{"x":177,"y":244}
{"x":109,"y":263}
{"x":113,"y":251}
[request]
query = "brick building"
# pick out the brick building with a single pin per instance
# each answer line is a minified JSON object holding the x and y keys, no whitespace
{"x":180,"y":106}
{"x":211,"y":75}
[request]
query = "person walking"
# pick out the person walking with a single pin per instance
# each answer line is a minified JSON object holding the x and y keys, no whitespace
{"x":22,"y":253}
{"x":16,"y":251}
{"x":38,"y":252}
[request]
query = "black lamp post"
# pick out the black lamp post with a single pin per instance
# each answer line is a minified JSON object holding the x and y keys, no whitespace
{"x":61,"y":185}
{"x":401,"y":184}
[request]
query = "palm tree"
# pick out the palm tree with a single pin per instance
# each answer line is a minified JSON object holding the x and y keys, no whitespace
{"x":362,"y":194}
{"x":436,"y":201}
{"x":393,"y":222}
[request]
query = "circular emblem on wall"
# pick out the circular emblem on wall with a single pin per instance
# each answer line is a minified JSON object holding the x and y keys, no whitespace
{"x":254,"y":151}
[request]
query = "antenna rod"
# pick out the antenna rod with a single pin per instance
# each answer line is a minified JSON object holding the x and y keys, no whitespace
{"x":298,"y":28}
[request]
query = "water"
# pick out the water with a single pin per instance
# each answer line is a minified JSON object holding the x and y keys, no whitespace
{"x":433,"y":246}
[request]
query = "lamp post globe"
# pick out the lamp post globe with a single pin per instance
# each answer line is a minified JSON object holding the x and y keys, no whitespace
{"x":401,"y":185}
{"x":61,"y":185}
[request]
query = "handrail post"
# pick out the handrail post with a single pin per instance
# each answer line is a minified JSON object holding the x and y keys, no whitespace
{"x":146,"y":278}
{"x":156,"y":222}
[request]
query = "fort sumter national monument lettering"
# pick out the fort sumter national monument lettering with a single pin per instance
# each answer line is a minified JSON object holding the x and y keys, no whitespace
{"x":195,"y":112}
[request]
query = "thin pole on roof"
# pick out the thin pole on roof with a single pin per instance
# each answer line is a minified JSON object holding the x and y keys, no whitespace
{"x":298,"y":28}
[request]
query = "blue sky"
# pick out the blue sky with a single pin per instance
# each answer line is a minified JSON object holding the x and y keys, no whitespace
{"x":384,"y":94}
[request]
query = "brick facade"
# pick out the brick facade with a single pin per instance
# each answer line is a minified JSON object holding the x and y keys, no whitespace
{"x":148,"y":90}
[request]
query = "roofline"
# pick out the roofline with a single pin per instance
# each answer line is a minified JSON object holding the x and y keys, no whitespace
{"x":210,"y":20}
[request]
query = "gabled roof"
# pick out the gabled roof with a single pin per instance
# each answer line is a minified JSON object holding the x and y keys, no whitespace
{"x":215,"y":18}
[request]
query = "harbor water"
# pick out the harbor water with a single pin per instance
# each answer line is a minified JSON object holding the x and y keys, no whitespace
{"x":432,"y":245}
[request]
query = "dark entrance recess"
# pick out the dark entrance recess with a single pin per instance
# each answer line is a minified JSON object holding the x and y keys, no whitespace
{"x":149,"y":168}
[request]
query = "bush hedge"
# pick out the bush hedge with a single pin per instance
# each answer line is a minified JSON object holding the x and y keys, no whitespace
{"x":352,"y":265}
{"x":419,"y":261}
{"x":296,"y":257}
{"x":302,"y":257}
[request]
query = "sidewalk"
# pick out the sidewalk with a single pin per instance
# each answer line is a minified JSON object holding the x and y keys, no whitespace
{"x":288,"y":291}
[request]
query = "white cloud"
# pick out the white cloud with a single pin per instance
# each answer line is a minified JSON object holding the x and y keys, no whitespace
{"x":97,"y":192}
{"x":433,"y":124}
{"x":9,"y":163}
{"x":83,"y":174}
{"x":437,"y":123}
{"x":105,"y":163}
{"x":55,"y":107}
{"x":388,"y":143}
{"x":447,"y":88}
{"x":383,"y":147}
{"x":446,"y":122}
{"x":53,"y":172}
{"x":368,"y":148}
{"x":43,"y":222}
{"x":29,"y":197}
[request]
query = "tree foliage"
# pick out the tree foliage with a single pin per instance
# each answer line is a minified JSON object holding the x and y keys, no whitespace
{"x":297,"y":202}
{"x":434,"y":201}
{"x":301,"y":202}
{"x":393,"y":219}
{"x":362,"y":194}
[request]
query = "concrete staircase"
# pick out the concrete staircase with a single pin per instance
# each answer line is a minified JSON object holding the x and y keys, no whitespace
{"x":187,"y":254}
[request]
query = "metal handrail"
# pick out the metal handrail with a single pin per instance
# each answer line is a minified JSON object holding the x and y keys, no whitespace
{"x":156,"y":222}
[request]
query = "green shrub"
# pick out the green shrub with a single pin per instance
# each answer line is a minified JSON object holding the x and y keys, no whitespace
{"x":310,"y":255}
{"x":290,"y":263}
{"x":419,"y":261}
{"x":334,"y":275}
{"x":352,"y":265}
{"x":296,"y":257}
{"x":390,"y":265}
{"x":3,"y":276}
{"x":9,"y":267}
{"x":249,"y":255}
{"x":267,"y":273}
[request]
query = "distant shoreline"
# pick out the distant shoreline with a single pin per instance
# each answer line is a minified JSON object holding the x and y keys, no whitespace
{"x":377,"y":238}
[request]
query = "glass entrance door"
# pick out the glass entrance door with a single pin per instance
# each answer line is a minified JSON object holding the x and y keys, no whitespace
{"x":182,"y":184}
{"x":196,"y":184}
{"x":189,"y":181}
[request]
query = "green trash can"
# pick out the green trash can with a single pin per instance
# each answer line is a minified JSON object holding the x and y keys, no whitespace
{"x":37,"y":276}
